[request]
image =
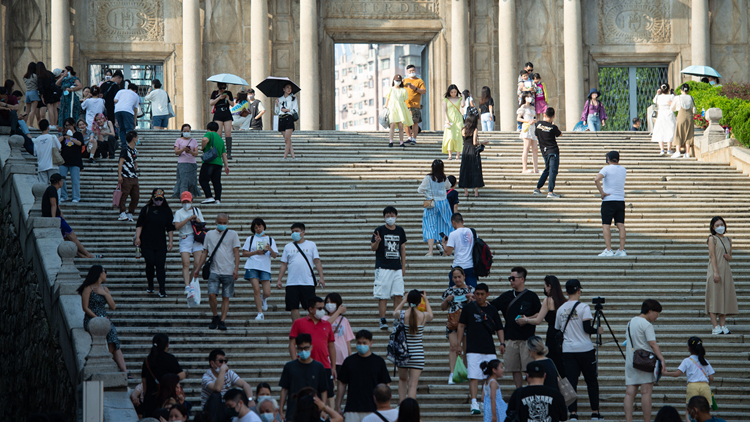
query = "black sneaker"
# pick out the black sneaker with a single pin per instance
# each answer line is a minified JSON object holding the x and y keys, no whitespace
{"x":597,"y":417}
{"x":214,"y":323}
{"x":383,"y":324}
{"x":222,"y":326}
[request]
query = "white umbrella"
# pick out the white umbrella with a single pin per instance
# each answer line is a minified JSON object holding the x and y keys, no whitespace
{"x":228,"y":78}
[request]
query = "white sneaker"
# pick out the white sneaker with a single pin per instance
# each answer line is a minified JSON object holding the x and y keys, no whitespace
{"x":122,"y":217}
{"x":264,"y":301}
{"x":475,"y":408}
{"x":75,"y":201}
{"x":208,"y":201}
{"x":687,"y":155}
{"x":621,"y":253}
{"x":662,"y":153}
{"x":607,"y":252}
{"x":676,"y":154}
{"x":537,"y":192}
{"x":130,"y":217}
{"x":717,"y":330}
{"x":725,"y":330}
{"x":552,"y":195}
{"x":450,"y":379}
{"x":63,"y":199}
{"x":260,"y":317}
{"x":217,"y":202}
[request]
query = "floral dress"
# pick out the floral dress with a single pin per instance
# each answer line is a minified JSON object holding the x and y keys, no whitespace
{"x":97,"y":304}
{"x":69,"y":104}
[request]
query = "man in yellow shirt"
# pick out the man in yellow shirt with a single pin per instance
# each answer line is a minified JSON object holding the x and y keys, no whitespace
{"x":415,"y":89}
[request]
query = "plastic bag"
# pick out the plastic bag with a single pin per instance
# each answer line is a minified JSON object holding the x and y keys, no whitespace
{"x":459,"y":371}
{"x":580,"y":127}
{"x":195,"y":299}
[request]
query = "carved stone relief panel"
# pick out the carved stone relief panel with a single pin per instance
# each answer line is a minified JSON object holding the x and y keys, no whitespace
{"x":382,"y":9}
{"x":126,"y":20}
{"x":728,"y":22}
{"x":25,"y":36}
{"x":225,"y":16}
{"x":534,"y":21}
{"x":635,"y":21}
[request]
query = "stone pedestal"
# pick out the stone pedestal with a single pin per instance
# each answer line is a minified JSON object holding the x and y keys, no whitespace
{"x":507,"y":39}
{"x":59,"y":34}
{"x":460,"y":45}
{"x":99,"y":364}
{"x":68,"y":278}
{"x":192,"y":85}
{"x":572,"y":38}
{"x":309,"y":115}
{"x":259,"y":68}
{"x":700,"y":33}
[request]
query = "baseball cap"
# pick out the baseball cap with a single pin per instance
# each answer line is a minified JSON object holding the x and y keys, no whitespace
{"x":613,"y":155}
{"x":57,"y":72}
{"x":535,"y":370}
{"x":572,"y":286}
{"x":186,"y":196}
{"x":158,"y":193}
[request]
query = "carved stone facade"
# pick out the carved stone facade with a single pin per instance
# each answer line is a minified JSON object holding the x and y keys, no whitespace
{"x":613,"y":32}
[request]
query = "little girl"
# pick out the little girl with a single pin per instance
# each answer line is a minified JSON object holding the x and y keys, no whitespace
{"x":494,"y":406}
{"x":540,"y":100}
{"x":527,"y":117}
{"x":342,"y":331}
{"x":699,"y":372}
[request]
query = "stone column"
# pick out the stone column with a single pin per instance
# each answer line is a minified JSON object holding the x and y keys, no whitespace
{"x":259,"y":68}
{"x":460,"y":45}
{"x":60,"y":34}
{"x":507,"y":51}
{"x":701,"y":37}
{"x":308,"y":65}
{"x":192,"y":75}
{"x":572,"y":39}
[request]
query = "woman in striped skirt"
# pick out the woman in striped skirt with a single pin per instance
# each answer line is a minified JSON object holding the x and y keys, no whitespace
{"x":415,"y":320}
{"x":437,"y":216}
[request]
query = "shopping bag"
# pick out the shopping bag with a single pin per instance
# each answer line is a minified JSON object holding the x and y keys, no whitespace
{"x":459,"y":371}
{"x":195,"y":299}
{"x":116,"y":196}
{"x":580,"y":127}
{"x":714,"y":406}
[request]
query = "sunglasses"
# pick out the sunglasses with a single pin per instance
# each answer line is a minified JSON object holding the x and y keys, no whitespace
{"x":221,"y":361}
{"x":513,"y":278}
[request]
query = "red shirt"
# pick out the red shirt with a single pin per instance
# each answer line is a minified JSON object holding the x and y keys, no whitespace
{"x":321,"y":333}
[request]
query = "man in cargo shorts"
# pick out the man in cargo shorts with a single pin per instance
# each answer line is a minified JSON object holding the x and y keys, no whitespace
{"x":389,"y":243}
{"x":414,"y":89}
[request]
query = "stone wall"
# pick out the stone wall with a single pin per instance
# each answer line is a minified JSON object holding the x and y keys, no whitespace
{"x":33,"y":375}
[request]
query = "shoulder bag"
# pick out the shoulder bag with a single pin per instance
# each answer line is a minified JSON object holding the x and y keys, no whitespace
{"x":170,"y":109}
{"x":566,"y":388}
{"x":488,"y":324}
{"x":212,"y":152}
{"x":560,"y":336}
{"x":315,"y":280}
{"x":378,"y":414}
{"x":199,"y":229}
{"x":515,"y":299}
{"x":714,"y":406}
{"x":207,"y":265}
{"x":57,"y":158}
{"x":643,"y":360}
{"x":453,"y":317}
{"x":116,"y":195}
{"x":383,"y":117}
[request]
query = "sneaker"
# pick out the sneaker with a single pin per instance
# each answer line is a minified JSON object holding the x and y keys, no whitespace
{"x":475,"y":409}
{"x":217,"y":202}
{"x":450,"y":379}
{"x":265,"y":302}
{"x":260,"y":317}
{"x":123,"y":217}
{"x":413,"y":141}
{"x":383,"y":324}
{"x":597,"y":417}
{"x":91,"y":161}
{"x":149,"y":290}
{"x":75,"y":201}
{"x":717,"y":330}
{"x":676,"y":154}
{"x":552,"y":195}
{"x":687,"y":155}
{"x":621,"y":252}
{"x":130,"y":217}
{"x":607,"y":252}
{"x":537,"y":192}
{"x":214,"y":323}
{"x":725,"y":330}
{"x":63,"y":199}
{"x":222,"y":326}
{"x":573,"y":417}
{"x":162,"y":294}
{"x":662,"y":153}
{"x":208,"y":201}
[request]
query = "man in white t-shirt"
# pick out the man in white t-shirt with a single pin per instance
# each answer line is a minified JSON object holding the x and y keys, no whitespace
{"x":384,"y":412}
{"x":259,"y":248}
{"x":126,"y":102}
{"x":43,"y":145}
{"x":460,"y":243}
{"x":299,"y":257}
{"x":578,"y":350}
{"x":611,"y":184}
{"x":225,"y":268}
{"x":217,"y":381}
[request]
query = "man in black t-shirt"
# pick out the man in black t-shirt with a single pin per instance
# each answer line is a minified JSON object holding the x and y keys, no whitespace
{"x":547,"y":132}
{"x":483,"y":322}
{"x":109,"y":90}
{"x":300,"y":373}
{"x":536,"y":402}
{"x":389,"y":244}
{"x":361,"y":373}
{"x":51,"y":208}
{"x":513,"y":304}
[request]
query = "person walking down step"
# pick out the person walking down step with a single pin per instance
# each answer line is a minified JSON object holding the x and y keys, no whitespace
{"x":453,"y":140}
{"x":71,"y":143}
{"x":302,"y":373}
{"x":700,"y":373}
{"x":527,"y":118}
{"x":415,"y":320}
{"x":155,"y":219}
{"x":323,"y":339}
{"x":342,"y":330}
{"x":186,"y":220}
{"x":470,"y":173}
{"x":259,"y":249}
{"x":547,"y":133}
{"x":222,"y":248}
{"x":221,"y":101}
{"x":186,"y":149}
{"x":127,"y":177}
{"x":214,"y":157}
{"x":594,"y":115}
{"x":454,"y":299}
{"x":436,"y":217}
{"x":299,"y":257}
{"x":611,"y":184}
{"x":398,"y":113}
{"x":359,"y":376}
{"x":665,"y":120}
{"x":721,"y":298}
{"x":389,"y":243}
{"x":288,"y":111}
{"x":415,"y":88}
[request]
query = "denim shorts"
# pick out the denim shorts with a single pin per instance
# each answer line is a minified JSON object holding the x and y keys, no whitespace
{"x":221,"y":284}
{"x":258,"y":274}
{"x":32,"y":95}
{"x":161,"y":121}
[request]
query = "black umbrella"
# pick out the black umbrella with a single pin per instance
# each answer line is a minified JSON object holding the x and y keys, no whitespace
{"x":273,"y":86}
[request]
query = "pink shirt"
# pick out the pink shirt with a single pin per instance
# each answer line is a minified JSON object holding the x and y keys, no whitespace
{"x":186,"y":157}
{"x":344,"y":336}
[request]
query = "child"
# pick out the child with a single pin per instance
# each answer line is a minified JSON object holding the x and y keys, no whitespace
{"x":452,"y":195}
{"x":527,"y":119}
{"x":636,"y":125}
{"x":547,"y":133}
{"x":342,"y":331}
{"x":540,"y":100}
{"x":494,"y":406}
{"x":699,"y":372}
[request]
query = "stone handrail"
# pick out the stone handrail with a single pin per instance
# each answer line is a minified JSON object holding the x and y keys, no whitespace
{"x":714,"y":146}
{"x":52,"y":260}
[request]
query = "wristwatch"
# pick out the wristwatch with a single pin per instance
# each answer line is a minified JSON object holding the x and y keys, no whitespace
{"x":502,"y":344}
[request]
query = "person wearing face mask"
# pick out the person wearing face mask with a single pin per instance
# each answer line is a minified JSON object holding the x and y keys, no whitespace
{"x":360,"y":374}
{"x":223,"y":246}
{"x":323,"y":338}
{"x":415,"y":88}
{"x":721,"y":298}
{"x":303,"y":371}
{"x":714,"y":81}
{"x":527,"y":117}
{"x":684,"y":133}
{"x":389,"y":243}
{"x":342,"y":331}
{"x":398,"y":113}
{"x":159,"y":104}
{"x":268,"y":408}
{"x":127,"y":177}
{"x":186,"y":149}
{"x":237,"y":402}
{"x":299,"y":256}
{"x":153,"y":221}
{"x":183,"y":219}
{"x":454,"y":299}
{"x":259,"y":249}
{"x":217,"y":382}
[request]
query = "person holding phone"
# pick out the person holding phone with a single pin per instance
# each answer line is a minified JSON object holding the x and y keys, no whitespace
{"x":221,"y":101}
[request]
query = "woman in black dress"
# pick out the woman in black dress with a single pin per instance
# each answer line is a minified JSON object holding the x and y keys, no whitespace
{"x":221,"y":101}
{"x":154,"y":220}
{"x":548,"y":313}
{"x":471,"y":162}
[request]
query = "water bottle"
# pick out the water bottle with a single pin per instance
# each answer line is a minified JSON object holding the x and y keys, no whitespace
{"x":727,"y":133}
{"x":137,"y":252}
{"x":703,"y":112}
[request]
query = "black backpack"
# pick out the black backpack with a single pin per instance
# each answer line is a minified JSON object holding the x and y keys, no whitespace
{"x":398,"y":349}
{"x":481,"y":256}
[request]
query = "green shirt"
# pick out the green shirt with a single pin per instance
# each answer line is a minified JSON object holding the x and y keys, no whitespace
{"x":215,"y":140}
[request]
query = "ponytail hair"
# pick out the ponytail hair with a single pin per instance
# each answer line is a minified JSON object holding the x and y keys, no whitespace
{"x":488,"y":367}
{"x":159,"y":343}
{"x":536,"y":344}
{"x":413,"y":298}
{"x":695,"y":345}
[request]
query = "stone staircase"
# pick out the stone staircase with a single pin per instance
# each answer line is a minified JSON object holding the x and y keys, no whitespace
{"x":338,"y":187}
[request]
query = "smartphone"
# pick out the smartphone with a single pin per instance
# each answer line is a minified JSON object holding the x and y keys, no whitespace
{"x":442,"y":235}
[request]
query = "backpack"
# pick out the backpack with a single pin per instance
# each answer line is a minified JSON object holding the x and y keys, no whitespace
{"x":398,"y":349}
{"x":481,"y":256}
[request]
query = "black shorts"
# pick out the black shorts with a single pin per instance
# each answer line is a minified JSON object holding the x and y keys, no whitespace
{"x":298,"y":295}
{"x":330,"y":382}
{"x":613,"y":209}
{"x":286,"y":122}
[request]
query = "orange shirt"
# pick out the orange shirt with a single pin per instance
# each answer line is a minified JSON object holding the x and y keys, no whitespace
{"x":415,"y":98}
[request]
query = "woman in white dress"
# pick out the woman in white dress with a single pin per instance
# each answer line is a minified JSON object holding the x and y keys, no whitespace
{"x":665,"y":120}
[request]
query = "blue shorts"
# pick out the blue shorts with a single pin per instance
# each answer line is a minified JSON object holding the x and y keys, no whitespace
{"x":257,"y":274}
{"x":160,"y":121}
{"x":32,"y":95}
{"x":65,"y":227}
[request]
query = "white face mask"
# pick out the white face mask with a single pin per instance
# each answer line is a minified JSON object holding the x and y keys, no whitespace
{"x":528,"y":100}
{"x":411,"y":75}
{"x":251,"y":97}
{"x":396,"y":83}
{"x":185,"y":134}
{"x":331,"y":307}
{"x":107,"y":77}
{"x":720,"y":229}
{"x":320,"y":313}
{"x":187,"y":206}
{"x":390,"y":221}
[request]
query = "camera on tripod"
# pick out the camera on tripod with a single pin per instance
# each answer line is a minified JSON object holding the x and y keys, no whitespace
{"x":598,"y":300}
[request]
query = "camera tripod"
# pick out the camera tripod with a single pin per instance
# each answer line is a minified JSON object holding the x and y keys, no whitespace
{"x":598,"y":316}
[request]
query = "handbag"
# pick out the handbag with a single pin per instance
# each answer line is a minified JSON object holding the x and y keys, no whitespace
{"x":207,"y":265}
{"x":211,"y":154}
{"x":566,"y":388}
{"x":116,"y":195}
{"x":315,"y":280}
{"x":453,"y":320}
{"x":383,"y":116}
{"x":57,"y":158}
{"x":643,"y":360}
{"x":429,"y":204}
{"x":655,"y":114}
{"x":199,"y":229}
{"x":560,"y":336}
{"x":295,"y":115}
{"x":170,"y":110}
{"x":480,"y":149}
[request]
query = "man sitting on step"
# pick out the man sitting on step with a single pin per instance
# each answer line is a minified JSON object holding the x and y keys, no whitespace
{"x":216,"y":382}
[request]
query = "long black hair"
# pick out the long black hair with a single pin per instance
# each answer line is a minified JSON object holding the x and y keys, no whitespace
{"x":470,"y":125}
{"x":488,"y":367}
{"x":555,"y":291}
{"x":30,"y":70}
{"x":158,"y":345}
{"x":713,"y":221}
{"x":414,"y":298}
{"x":42,"y":72}
{"x":408,"y":411}
{"x":91,"y":278}
{"x":486,"y":95}
{"x":695,"y":345}
{"x":451,"y":87}
{"x":306,"y":409}
{"x":437,"y":172}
